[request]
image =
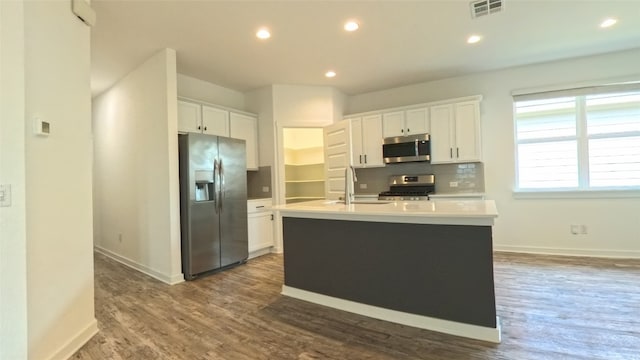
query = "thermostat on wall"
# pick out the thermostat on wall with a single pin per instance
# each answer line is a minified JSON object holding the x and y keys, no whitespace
{"x":42,"y":127}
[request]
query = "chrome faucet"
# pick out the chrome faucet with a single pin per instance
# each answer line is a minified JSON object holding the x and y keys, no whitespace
{"x":349,"y":184}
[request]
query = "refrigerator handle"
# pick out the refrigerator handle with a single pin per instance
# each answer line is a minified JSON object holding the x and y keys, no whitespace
{"x":215,"y":184}
{"x":221,"y":176}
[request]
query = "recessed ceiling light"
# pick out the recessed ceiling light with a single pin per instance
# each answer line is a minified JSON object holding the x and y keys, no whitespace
{"x":330,"y":74}
{"x":351,"y":26}
{"x":474,"y":39}
{"x":263,"y":34}
{"x":608,"y":22}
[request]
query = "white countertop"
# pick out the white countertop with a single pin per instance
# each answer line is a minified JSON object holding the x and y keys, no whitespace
{"x":451,"y":212}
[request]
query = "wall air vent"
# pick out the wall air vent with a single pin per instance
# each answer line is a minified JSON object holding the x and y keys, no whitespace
{"x":485,"y":7}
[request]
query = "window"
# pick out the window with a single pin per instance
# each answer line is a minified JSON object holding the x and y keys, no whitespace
{"x":581,"y":139}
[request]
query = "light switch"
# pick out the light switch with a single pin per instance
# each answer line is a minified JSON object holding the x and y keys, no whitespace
{"x":5,"y":195}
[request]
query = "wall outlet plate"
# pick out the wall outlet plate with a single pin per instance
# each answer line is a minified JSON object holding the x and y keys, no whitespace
{"x":453,"y":184}
{"x":5,"y":195}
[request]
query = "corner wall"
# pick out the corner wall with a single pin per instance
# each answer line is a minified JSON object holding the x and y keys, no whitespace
{"x":136,"y":169}
{"x":13,"y":237}
{"x":208,"y":92}
{"x":533,"y":225}
{"x":57,"y":187}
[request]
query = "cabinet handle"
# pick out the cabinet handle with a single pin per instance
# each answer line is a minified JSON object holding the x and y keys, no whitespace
{"x":259,"y":207}
{"x":408,"y":130}
{"x":402,"y":130}
{"x":205,"y":128}
{"x":360,"y":159}
{"x":457,"y":152}
{"x":271,"y":217}
{"x":365,"y":158}
{"x":199,"y":127}
{"x":451,"y":153}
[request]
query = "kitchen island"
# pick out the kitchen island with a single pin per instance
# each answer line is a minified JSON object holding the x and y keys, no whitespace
{"x":427,"y":264}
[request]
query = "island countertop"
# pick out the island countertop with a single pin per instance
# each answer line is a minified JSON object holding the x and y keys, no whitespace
{"x":451,"y":212}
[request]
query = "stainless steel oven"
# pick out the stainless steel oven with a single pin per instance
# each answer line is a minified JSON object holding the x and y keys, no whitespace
{"x":406,"y":149}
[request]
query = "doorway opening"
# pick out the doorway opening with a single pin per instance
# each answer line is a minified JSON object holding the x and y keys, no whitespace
{"x":304,"y":173}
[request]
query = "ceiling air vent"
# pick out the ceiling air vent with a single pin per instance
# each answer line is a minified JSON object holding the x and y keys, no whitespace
{"x":485,"y":7}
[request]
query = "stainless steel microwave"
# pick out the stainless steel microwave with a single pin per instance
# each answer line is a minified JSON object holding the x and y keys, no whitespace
{"x":406,"y":149}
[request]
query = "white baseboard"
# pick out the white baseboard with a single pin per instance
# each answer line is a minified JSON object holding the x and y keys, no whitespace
{"x":167,"y":279}
{"x":76,"y":342}
{"x":260,"y":252}
{"x":418,"y":321}
{"x":629,"y":254}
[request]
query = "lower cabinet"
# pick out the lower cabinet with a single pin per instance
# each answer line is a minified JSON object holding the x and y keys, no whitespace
{"x":260,"y":223}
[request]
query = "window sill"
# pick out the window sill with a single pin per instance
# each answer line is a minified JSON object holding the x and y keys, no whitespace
{"x":576,"y":194}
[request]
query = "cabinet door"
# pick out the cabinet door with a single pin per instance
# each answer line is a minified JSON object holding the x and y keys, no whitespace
{"x":417,"y":121}
{"x":357,"y":152}
{"x":372,"y":141}
{"x":467,"y":132}
{"x":260,"y":231}
{"x":246,"y":128}
{"x":215,"y":121}
{"x":337,"y":155}
{"x":393,"y":124}
{"x":442,"y":134}
{"x":189,"y":117}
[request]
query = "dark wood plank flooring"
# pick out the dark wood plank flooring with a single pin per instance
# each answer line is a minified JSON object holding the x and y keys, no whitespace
{"x":550,"y":308}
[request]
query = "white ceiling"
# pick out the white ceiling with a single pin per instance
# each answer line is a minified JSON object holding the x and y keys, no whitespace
{"x":399,"y":42}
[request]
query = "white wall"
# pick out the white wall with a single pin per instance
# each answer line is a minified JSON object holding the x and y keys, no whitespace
{"x":46,"y":307}
{"x":540,"y":225}
{"x":260,"y":102}
{"x":205,"y":91}
{"x":136,"y":169}
{"x":13,"y":238}
{"x":306,"y":105}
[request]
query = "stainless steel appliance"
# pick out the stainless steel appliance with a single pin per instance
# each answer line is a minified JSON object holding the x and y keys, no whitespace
{"x":213,"y":203}
{"x":406,"y":149}
{"x":409,"y":187}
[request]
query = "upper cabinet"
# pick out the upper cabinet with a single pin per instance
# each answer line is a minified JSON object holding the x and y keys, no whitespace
{"x":189,"y":117}
{"x":455,"y":132}
{"x":405,"y":122}
{"x":205,"y":119}
{"x":246,"y":127}
{"x":215,"y":121}
{"x":366,"y":141}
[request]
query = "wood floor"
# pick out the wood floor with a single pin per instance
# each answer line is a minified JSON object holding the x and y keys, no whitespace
{"x":550,"y":308}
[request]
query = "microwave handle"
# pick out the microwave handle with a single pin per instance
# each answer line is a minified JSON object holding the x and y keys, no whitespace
{"x":416,"y":147}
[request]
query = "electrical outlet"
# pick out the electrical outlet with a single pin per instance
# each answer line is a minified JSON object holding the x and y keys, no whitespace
{"x":583,"y":229}
{"x":575,"y":229}
{"x":363,"y":186}
{"x":453,"y":184}
{"x":5,"y":195}
{"x":265,"y":189}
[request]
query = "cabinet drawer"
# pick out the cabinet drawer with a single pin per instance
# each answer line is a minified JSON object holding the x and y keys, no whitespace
{"x":258,"y":205}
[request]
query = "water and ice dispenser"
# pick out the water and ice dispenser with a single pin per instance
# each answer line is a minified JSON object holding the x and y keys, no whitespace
{"x":204,"y":185}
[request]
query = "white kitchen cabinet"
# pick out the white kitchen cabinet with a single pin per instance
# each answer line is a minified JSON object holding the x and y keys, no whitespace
{"x":366,"y":141}
{"x":260,"y":226}
{"x":245,"y":127}
{"x":189,"y":117}
{"x":405,"y":122}
{"x":455,"y":132}
{"x":215,"y":121}
{"x":198,"y":118}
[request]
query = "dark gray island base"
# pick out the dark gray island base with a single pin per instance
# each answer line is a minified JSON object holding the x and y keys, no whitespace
{"x":433,"y":276}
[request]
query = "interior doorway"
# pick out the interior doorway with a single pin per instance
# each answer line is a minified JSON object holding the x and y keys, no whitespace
{"x":304,"y":172}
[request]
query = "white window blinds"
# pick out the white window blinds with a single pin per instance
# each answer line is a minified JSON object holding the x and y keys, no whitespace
{"x":589,"y":139}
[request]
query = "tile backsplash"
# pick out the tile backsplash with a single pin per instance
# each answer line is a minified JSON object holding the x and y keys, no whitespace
{"x":258,"y":181}
{"x":469,"y":177}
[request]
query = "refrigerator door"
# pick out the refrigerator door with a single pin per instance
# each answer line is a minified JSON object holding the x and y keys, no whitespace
{"x":233,"y":204}
{"x":200,"y":221}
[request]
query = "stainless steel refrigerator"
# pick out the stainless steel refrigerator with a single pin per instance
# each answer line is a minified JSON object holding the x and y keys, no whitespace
{"x":213,"y":203}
